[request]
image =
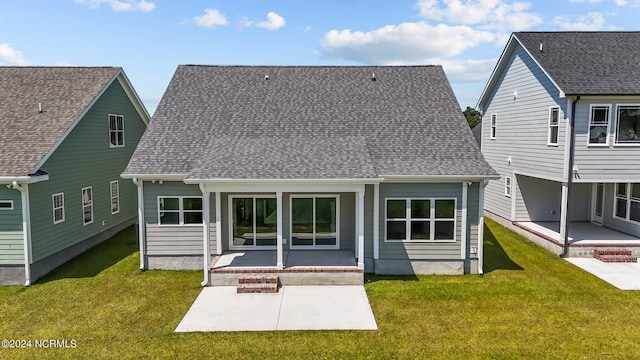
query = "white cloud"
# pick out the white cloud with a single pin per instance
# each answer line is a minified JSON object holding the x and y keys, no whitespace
{"x":11,"y":57}
{"x":467,"y":71}
{"x":407,"y":43}
{"x":273,"y":22}
{"x":593,"y":21}
{"x":487,"y":14}
{"x":121,"y":5}
{"x":587,"y":1}
{"x":632,"y":3}
{"x":211,"y":18}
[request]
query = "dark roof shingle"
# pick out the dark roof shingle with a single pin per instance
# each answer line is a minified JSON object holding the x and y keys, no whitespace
{"x":588,"y":63}
{"x":306,"y":122}
{"x":26,"y":135}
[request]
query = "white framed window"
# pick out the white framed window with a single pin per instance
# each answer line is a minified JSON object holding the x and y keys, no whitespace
{"x":599,"y":122}
{"x":315,"y":221}
{"x":627,"y":202}
{"x":116,"y":130}
{"x":6,"y":204}
{"x":254,"y":221}
{"x":87,"y":205}
{"x":628,"y":124}
{"x":507,"y":186}
{"x":494,"y":126}
{"x":57,"y":202}
{"x":180,"y":210}
{"x":554,"y":117}
{"x":420,"y":219}
{"x":114,"y":188}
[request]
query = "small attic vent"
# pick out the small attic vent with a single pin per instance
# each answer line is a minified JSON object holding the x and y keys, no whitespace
{"x":39,"y":107}
{"x":266,"y":77}
{"x":540,"y":47}
{"x":373,"y":76}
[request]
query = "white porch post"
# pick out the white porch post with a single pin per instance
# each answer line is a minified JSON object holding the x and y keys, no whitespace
{"x":360,"y":223}
{"x":563,"y":210}
{"x":481,"y":226}
{"x":463,"y":225}
{"x":142,"y":233}
{"x":218,"y":201}
{"x":206,"y":225}
{"x":376,"y":221}
{"x":279,"y":252}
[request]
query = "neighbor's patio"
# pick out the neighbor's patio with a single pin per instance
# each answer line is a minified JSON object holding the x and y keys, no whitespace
{"x":583,"y":236}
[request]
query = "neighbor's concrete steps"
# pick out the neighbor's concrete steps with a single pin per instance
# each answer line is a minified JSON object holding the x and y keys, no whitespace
{"x":614,"y":255}
{"x":263,"y":283}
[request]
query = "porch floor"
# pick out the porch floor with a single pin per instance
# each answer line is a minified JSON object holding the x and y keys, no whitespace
{"x":293,"y":259}
{"x":581,"y":234}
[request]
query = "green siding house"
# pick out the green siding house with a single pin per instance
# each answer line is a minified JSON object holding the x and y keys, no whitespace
{"x":66,"y":135}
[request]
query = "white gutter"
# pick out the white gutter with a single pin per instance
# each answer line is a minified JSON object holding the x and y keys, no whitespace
{"x":23,"y":179}
{"x":152,"y":177}
{"x":481,"y":226}
{"x":141,"y":225}
{"x":26,"y":229}
{"x":206,"y":219}
{"x":284,"y":181}
{"x":438,"y":178}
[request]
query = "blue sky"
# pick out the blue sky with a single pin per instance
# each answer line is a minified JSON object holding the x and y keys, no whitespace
{"x":149,"y":38}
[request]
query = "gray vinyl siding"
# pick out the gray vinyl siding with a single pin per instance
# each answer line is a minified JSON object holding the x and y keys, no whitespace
{"x":522,"y":128}
{"x":11,"y":239}
{"x":610,"y":221}
{"x":430,"y":250}
{"x":85,"y":159}
{"x":540,"y":200}
{"x":175,"y":239}
{"x":595,"y":163}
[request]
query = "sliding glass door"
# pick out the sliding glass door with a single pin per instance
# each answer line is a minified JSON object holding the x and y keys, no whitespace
{"x":314,"y":221}
{"x":254,"y":222}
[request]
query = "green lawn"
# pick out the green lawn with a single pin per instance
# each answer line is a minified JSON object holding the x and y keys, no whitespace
{"x":529,"y":304}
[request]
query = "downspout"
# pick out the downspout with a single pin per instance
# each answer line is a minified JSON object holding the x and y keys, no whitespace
{"x":482,"y":185}
{"x":141,"y":228}
{"x":572,"y":135}
{"x":26,"y":230}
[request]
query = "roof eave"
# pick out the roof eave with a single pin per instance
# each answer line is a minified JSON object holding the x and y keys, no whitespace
{"x":437,"y":178}
{"x":280,"y":181}
{"x":155,"y":177}
{"x":30,"y":179}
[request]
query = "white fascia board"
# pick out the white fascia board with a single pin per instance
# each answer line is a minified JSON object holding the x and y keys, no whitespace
{"x":155,"y":177}
{"x":436,"y":178}
{"x":561,"y":92}
{"x":23,"y":179}
{"x":133,"y":97}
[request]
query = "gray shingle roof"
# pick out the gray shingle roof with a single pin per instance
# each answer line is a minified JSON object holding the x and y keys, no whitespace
{"x":26,"y":135}
{"x":308,"y":122}
{"x":588,"y":63}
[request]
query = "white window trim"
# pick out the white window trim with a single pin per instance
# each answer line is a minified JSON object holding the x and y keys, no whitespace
{"x":615,"y":141}
{"x":54,"y":208}
{"x":432,"y":219}
{"x":314,"y":197}
{"x":608,"y":139}
{"x":90,"y":188}
{"x":557,"y":126}
{"x":116,"y":197}
{"x":115,"y":130}
{"x":247,"y":196}
{"x":493,"y":126}
{"x":627,"y":200}
{"x":508,"y":186}
{"x":180,"y":210}
{"x":7,"y":202}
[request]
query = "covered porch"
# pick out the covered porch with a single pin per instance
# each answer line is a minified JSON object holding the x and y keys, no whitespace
{"x":583,"y":236}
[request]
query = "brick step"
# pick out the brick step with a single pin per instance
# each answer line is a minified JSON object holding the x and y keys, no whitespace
{"x":616,"y":258}
{"x":609,"y":251}
{"x":268,"y":288}
{"x":258,"y":279}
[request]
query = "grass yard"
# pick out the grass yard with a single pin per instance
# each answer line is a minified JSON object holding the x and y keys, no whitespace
{"x":528,"y":305}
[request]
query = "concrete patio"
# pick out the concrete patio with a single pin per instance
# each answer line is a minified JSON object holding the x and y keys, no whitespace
{"x":220,"y":308}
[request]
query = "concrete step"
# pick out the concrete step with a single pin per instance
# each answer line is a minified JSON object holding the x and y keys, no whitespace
{"x":269,"y":288}
{"x":616,"y":258}
{"x":611,"y":251}
{"x":258,"y":279}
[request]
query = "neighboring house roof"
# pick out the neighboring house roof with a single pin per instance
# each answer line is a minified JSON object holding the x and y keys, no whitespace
{"x":580,"y":63}
{"x":28,"y":136}
{"x":477,"y":133}
{"x":301,"y":122}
